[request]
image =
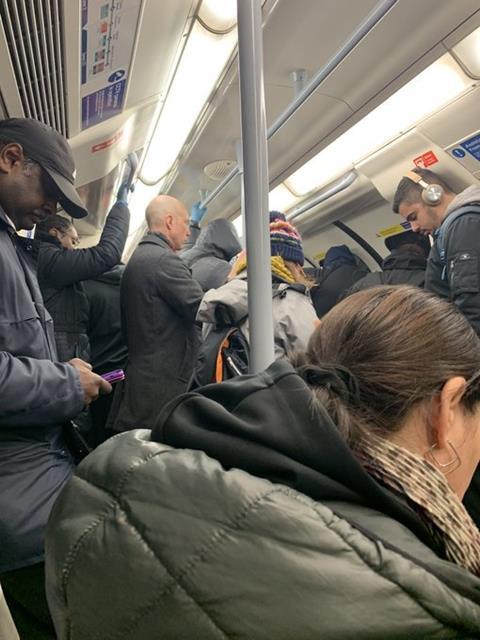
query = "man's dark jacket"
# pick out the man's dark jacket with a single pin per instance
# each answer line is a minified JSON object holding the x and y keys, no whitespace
{"x":108,"y":349}
{"x":159,"y":300}
{"x":60,"y":272}
{"x":460,"y":282}
{"x":399,"y":267}
{"x":37,"y":394}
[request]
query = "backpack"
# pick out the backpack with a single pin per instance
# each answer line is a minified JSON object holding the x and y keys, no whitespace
{"x":441,"y":233}
{"x":225,"y":352}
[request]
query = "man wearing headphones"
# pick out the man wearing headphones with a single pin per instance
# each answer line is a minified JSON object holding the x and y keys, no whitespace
{"x":427,"y":202}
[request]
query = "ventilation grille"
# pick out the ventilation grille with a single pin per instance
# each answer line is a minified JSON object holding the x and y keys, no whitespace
{"x":32,"y":29}
{"x":219,"y":169}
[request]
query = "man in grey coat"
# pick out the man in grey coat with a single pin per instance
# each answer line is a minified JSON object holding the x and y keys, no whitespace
{"x":37,"y":392}
{"x":159,"y":300}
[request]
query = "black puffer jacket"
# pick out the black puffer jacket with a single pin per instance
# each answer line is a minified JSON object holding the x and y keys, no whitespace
{"x":260,"y":524}
{"x":209,"y":258}
{"x":400,"y":267}
{"x":60,"y":272}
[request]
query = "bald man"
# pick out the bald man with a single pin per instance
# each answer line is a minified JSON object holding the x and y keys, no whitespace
{"x":159,"y":301}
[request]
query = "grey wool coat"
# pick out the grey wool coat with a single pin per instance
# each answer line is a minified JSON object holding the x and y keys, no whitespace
{"x":159,"y":301}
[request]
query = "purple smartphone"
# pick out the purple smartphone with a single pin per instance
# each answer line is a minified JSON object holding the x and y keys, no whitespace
{"x":114,"y":376}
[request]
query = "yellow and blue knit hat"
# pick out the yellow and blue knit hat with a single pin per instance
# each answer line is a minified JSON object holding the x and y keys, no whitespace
{"x":285,"y":241}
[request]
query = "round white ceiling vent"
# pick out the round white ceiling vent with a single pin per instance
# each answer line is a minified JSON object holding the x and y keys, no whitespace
{"x":219,"y":169}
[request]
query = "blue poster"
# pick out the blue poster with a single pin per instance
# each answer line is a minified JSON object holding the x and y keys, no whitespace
{"x":103,"y":104}
{"x":106,"y":46}
{"x":472,"y":145}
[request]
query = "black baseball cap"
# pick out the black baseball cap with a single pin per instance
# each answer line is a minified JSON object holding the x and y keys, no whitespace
{"x":52,"y":152}
{"x":407,"y":237}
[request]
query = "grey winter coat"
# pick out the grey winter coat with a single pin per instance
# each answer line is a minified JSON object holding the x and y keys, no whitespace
{"x":37,"y":394}
{"x":294,"y":317}
{"x":60,"y":272}
{"x":462,"y":260}
{"x":209,"y":258}
{"x":263,"y":527}
{"x":159,"y":301}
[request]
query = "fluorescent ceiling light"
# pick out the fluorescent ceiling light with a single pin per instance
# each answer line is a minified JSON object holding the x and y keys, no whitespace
{"x":238,"y":224}
{"x":467,"y":52}
{"x":202,"y":61}
{"x":137,"y":204}
{"x":219,"y":14}
{"x":429,"y":91}
{"x":281,"y":199}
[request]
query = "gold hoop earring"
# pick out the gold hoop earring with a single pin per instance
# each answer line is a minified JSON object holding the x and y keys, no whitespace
{"x":449,"y":466}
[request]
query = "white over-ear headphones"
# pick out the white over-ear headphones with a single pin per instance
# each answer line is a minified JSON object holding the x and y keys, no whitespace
{"x":432,"y":194}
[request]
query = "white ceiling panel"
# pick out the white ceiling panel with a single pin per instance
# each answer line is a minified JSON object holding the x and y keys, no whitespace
{"x":305,"y":34}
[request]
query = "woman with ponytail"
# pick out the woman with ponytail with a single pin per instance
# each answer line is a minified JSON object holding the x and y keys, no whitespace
{"x":320,"y":499}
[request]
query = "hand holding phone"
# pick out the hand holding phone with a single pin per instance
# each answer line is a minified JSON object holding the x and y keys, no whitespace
{"x":114,"y":376}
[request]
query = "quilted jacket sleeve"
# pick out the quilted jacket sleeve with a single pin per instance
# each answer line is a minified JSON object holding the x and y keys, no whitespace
{"x":166,"y":543}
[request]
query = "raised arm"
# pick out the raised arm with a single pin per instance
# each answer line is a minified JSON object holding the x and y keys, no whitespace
{"x":62,"y":267}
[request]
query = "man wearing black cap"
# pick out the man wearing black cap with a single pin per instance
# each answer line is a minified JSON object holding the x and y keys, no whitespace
{"x":406,"y":263}
{"x":37,"y":393}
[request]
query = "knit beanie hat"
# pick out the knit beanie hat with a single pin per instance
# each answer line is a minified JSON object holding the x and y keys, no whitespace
{"x":285,"y":240}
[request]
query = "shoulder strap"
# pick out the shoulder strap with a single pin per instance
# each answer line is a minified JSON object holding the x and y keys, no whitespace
{"x":440,"y":236}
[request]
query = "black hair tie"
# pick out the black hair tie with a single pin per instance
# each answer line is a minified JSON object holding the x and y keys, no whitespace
{"x":335,"y":378}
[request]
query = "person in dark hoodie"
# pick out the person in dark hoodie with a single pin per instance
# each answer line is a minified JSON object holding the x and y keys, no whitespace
{"x":405,"y":264}
{"x":341,"y":269}
{"x":318,"y":499}
{"x":209,"y":258}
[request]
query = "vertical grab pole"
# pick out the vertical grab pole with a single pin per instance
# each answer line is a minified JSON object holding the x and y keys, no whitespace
{"x":255,"y":180}
{"x":239,"y":155}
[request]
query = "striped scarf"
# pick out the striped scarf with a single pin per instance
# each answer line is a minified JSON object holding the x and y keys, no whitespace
{"x":432,"y":497}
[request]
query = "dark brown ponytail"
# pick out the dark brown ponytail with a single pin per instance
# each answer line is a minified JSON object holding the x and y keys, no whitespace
{"x":382,"y":351}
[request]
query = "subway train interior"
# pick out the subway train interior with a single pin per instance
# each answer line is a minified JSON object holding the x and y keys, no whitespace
{"x":353,"y":94}
{"x":161,"y":79}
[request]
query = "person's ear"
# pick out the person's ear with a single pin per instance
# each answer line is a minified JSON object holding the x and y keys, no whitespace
{"x":169,"y":221}
{"x":55,"y":233}
{"x":447,"y":412}
{"x":10,"y":154}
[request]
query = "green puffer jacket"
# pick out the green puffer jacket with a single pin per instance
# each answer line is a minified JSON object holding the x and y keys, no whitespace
{"x":150,"y":542}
